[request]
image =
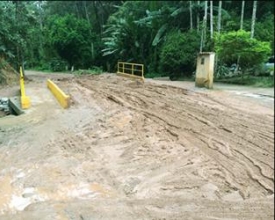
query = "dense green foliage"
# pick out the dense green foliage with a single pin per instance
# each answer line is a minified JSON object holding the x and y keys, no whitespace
{"x":70,"y":38}
{"x":237,"y":44}
{"x":56,"y":35}
{"x":179,"y":52}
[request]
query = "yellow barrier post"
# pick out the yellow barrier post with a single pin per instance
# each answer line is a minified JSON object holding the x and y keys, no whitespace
{"x":62,"y":98}
{"x":25,"y":100}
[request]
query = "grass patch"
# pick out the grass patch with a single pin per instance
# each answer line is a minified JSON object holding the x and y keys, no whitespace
{"x":179,"y":78}
{"x":93,"y":71}
{"x":248,"y":80}
{"x":153,"y":75}
{"x":40,"y":70}
{"x":186,"y":78}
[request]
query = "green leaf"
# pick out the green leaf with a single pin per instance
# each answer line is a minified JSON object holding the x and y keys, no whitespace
{"x":159,"y":34}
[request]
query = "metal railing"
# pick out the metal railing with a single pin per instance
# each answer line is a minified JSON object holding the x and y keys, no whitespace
{"x":134,"y":70}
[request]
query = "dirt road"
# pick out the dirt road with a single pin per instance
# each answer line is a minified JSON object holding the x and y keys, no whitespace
{"x":127,"y":150}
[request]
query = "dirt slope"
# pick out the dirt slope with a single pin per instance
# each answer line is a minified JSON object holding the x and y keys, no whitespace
{"x":127,"y":150}
{"x":8,"y":76}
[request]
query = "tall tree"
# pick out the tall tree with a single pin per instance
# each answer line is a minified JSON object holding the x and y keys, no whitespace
{"x":211,"y":19}
{"x":242,"y":15}
{"x":203,"y":32}
{"x":191,"y":15}
{"x":18,"y":19}
{"x":205,"y":18}
{"x":219,"y":17}
{"x":219,"y":31}
{"x":198,"y":17}
{"x":241,"y":28}
{"x":253,"y":18}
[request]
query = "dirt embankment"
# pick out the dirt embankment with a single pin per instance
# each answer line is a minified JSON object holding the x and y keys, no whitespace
{"x":127,"y":150}
{"x":8,"y":76}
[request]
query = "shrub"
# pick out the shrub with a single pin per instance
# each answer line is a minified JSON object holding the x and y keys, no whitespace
{"x":237,"y":44}
{"x":58,"y":65}
{"x":178,"y":53}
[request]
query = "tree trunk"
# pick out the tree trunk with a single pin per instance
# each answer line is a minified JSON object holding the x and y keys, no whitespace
{"x":203,"y":31}
{"x":219,"y":17}
{"x":205,"y":21}
{"x":16,"y":25}
{"x":41,"y":48}
{"x":90,"y":29}
{"x":86,"y":12}
{"x":18,"y":19}
{"x":211,"y":19}
{"x":219,"y":31}
{"x":191,"y":15}
{"x":253,"y":18}
{"x":241,"y":28}
{"x":97,"y":16}
{"x":77,"y":10}
{"x":242,"y":15}
{"x":198,"y":18}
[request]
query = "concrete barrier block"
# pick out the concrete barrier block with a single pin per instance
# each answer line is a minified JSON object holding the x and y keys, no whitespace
{"x":62,"y":98}
{"x":14,"y":104}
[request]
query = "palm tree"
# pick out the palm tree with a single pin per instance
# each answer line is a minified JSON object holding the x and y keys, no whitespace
{"x":191,"y":15}
{"x":198,"y":18}
{"x":211,"y":19}
{"x":205,"y":18}
{"x":253,"y":18}
{"x":203,"y":32}
{"x":219,"y":30}
{"x":241,"y":28}
{"x":219,"y":16}
{"x":242,"y":15}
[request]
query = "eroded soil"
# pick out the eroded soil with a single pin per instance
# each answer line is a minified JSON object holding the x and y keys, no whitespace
{"x":128,"y":150}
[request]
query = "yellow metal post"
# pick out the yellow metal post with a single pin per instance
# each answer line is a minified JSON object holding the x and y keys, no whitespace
{"x":25,"y":100}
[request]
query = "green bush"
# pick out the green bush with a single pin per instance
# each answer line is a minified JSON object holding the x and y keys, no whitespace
{"x":178,"y":54}
{"x":94,"y":70}
{"x":72,"y":39}
{"x":153,"y":75}
{"x":58,"y":65}
{"x":237,"y":44}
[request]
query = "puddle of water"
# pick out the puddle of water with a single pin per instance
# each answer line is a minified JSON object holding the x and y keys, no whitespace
{"x":19,"y":203}
{"x":253,"y":95}
{"x":16,"y":198}
{"x":6,"y":191}
{"x":233,"y":197}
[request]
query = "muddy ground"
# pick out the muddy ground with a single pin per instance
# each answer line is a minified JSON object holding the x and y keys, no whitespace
{"x":128,"y":150}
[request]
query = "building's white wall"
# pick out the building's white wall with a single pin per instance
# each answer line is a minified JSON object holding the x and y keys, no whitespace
{"x":205,"y":70}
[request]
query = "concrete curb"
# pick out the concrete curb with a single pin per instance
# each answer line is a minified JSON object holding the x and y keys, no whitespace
{"x":61,"y":97}
{"x":14,"y":104}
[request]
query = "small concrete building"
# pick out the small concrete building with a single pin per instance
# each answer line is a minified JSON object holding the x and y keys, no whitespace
{"x":205,"y":70}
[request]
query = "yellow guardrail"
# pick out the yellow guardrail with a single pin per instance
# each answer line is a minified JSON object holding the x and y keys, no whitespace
{"x":133,"y":70}
{"x":62,"y":98}
{"x":25,"y":100}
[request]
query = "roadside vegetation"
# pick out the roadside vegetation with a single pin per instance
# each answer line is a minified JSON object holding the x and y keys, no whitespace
{"x":165,"y":36}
